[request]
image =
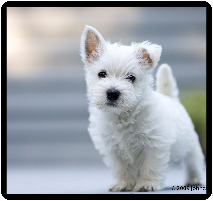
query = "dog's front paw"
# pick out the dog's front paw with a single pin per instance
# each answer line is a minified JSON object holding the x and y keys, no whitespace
{"x":120,"y":187}
{"x":147,"y":186}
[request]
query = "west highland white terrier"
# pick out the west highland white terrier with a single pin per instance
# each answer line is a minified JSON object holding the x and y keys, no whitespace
{"x":138,"y":130}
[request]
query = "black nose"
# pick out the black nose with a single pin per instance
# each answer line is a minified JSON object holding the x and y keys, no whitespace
{"x":112,"y":94}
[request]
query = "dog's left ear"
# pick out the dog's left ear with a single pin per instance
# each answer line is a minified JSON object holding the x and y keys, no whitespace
{"x":92,"y":45}
{"x":148,"y":55}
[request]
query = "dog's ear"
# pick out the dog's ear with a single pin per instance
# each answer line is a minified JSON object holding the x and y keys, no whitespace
{"x":148,"y":55}
{"x":92,"y":45}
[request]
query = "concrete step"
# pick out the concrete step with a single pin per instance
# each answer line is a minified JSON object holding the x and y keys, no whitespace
{"x":47,"y":131}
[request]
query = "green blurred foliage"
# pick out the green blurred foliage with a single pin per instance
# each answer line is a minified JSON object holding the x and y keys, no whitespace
{"x":195,"y":104}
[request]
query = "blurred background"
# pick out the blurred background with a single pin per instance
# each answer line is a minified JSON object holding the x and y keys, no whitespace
{"x":48,"y":146}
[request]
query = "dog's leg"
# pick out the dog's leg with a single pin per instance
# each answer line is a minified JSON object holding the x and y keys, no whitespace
{"x":152,"y":172}
{"x":194,"y":163}
{"x":123,"y":175}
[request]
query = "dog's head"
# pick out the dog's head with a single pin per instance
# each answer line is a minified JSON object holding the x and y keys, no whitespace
{"x":117,"y":76}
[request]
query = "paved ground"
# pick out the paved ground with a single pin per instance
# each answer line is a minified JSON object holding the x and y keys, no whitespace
{"x":87,"y":179}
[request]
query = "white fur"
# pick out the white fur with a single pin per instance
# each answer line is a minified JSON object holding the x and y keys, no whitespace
{"x":147,"y":129}
{"x":165,"y":82}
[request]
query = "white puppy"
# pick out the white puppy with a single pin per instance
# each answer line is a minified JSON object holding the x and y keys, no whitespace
{"x":136,"y":129}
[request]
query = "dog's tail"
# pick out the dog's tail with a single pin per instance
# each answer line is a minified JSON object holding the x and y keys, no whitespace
{"x":165,"y":82}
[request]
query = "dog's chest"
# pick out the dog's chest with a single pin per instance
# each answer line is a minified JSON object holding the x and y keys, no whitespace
{"x":127,"y":141}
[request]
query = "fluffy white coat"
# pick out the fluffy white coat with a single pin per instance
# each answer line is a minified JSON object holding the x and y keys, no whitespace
{"x":146,"y":129}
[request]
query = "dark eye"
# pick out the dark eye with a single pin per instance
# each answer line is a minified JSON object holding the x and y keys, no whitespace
{"x":131,"y":78}
{"x":102,"y":74}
